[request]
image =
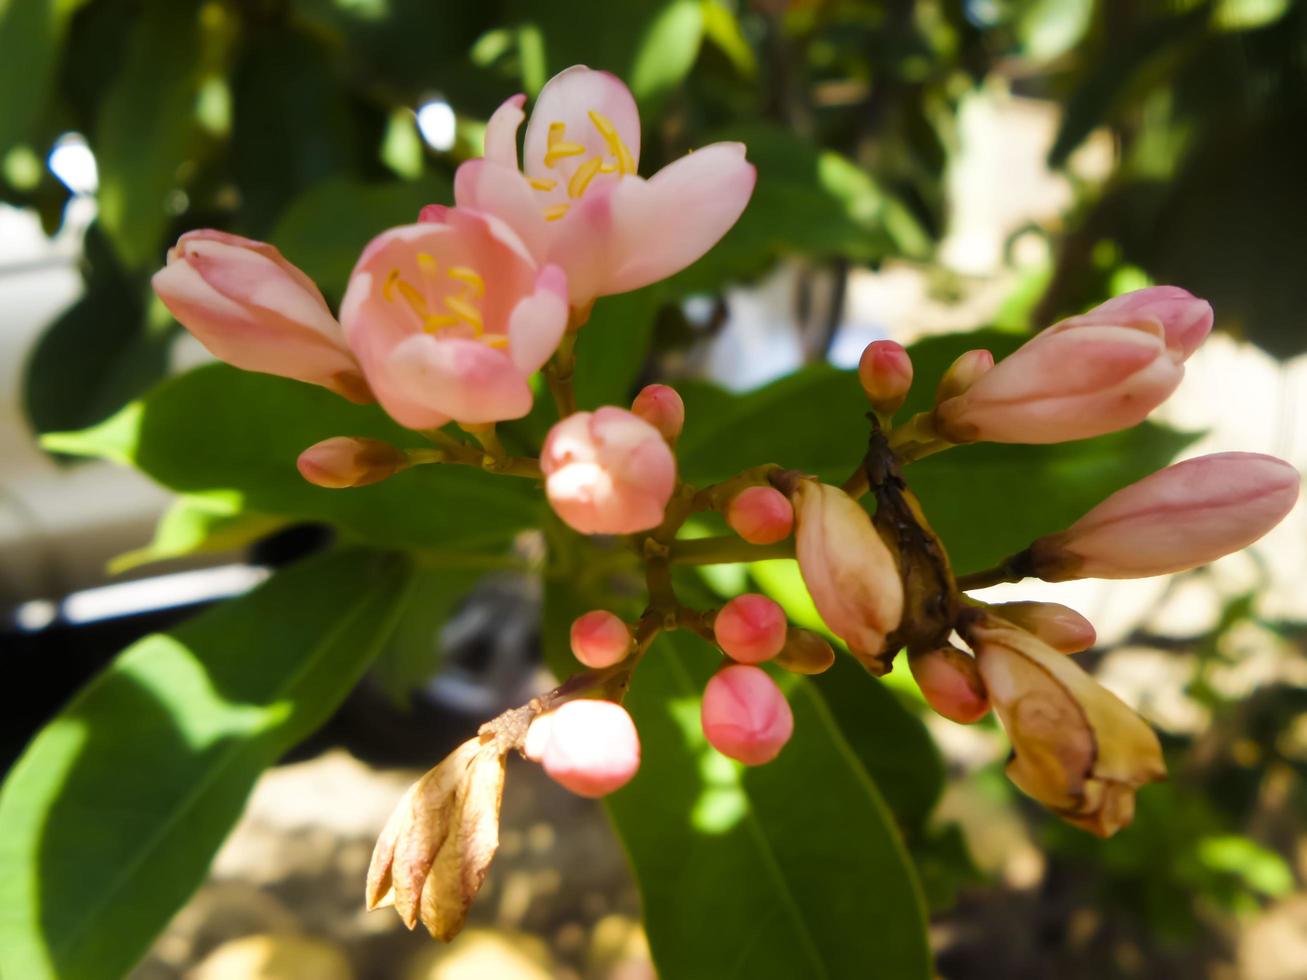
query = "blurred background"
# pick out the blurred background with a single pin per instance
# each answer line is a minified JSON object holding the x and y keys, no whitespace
{"x":925,"y":168}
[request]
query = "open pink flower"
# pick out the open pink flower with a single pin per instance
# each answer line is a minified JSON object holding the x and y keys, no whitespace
{"x":449,"y":317}
{"x":576,"y":199}
{"x":252,"y":308}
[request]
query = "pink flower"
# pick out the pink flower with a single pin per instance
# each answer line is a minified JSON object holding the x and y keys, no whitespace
{"x":950,"y":682}
{"x":252,"y":308}
{"x":1061,"y":627}
{"x":450,"y":317}
{"x":745,"y":716}
{"x":885,"y":370}
{"x":848,"y":570}
{"x":346,"y":461}
{"x":750,"y":628}
{"x":591,"y":747}
{"x":760,"y":515}
{"x":600,"y":639}
{"x":608,"y":472}
{"x":1067,"y":384}
{"x":1185,"y":319}
{"x":1183,"y":516}
{"x":577,"y":201}
{"x":662,"y":408}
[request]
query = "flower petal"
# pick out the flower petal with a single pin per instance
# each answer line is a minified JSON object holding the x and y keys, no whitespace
{"x":569,"y":98}
{"x":463,"y":379}
{"x":672,"y":219}
{"x":537,"y":323}
{"x":503,"y":192}
{"x":501,"y":132}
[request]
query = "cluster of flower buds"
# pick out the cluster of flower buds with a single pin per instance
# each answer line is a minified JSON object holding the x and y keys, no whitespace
{"x":447,"y":320}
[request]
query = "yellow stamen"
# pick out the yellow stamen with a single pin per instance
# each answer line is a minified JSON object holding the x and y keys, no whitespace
{"x":476,"y":285}
{"x":426,"y":264}
{"x":497,"y":341}
{"x":625,"y":162}
{"x":557,"y":149}
{"x":582,"y":176}
{"x":542,"y":183}
{"x":439,"y":321}
{"x":556,"y":212}
{"x":464,"y":310}
{"x":388,"y":287}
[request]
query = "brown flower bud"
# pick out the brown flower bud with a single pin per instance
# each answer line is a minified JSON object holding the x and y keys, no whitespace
{"x":805,"y":652}
{"x":433,"y":854}
{"x":1061,"y":627}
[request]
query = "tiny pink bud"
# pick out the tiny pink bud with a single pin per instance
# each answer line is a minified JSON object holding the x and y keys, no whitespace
{"x":1061,"y":627}
{"x":745,"y":715}
{"x":761,"y":515}
{"x":592,"y":747}
{"x":1067,"y":384}
{"x":537,"y":735}
{"x":885,"y":370}
{"x":346,"y":461}
{"x":750,"y":628}
{"x":1183,"y":516}
{"x":608,"y":472}
{"x":950,"y":682}
{"x":661,"y":407}
{"x":805,"y":652}
{"x":963,"y":373}
{"x":600,"y":639}
{"x":1185,"y":319}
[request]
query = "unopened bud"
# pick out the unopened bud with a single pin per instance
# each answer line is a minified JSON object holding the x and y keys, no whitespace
{"x":745,"y":715}
{"x":591,"y":747}
{"x":885,"y":370}
{"x":347,"y":461}
{"x":661,"y":407}
{"x":600,"y":639}
{"x":805,"y":652}
{"x":1186,"y":515}
{"x":750,"y":628}
{"x":1185,"y":319}
{"x":760,"y":515}
{"x":1061,"y":627}
{"x":950,"y":682}
{"x":963,"y":373}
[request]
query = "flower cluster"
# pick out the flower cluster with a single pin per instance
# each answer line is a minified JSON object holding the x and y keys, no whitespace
{"x":446,"y":321}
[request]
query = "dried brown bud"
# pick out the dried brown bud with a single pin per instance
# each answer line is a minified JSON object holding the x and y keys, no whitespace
{"x":805,"y":652}
{"x":433,"y":854}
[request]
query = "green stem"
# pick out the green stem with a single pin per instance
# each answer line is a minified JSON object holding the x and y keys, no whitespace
{"x":465,"y":455}
{"x":558,"y":374}
{"x":726,"y":549}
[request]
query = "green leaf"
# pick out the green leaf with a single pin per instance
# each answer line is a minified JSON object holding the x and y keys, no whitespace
{"x":612,"y":347}
{"x":146,"y":129}
{"x":792,"y":869}
{"x":220,"y":430}
{"x":31,"y":33}
{"x":195,"y":524}
{"x":667,"y":50}
{"x":114,"y":811}
{"x":413,"y":654}
{"x":721,"y":26}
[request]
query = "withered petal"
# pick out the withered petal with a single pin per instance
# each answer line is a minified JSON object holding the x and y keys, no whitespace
{"x":379,"y":891}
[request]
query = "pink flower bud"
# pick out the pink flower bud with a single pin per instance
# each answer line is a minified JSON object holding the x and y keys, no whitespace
{"x":848,"y":570}
{"x":1067,"y":384}
{"x":745,"y":715}
{"x":346,"y":461}
{"x":661,"y":407}
{"x":537,"y":735}
{"x":760,"y":515}
{"x":600,"y":639}
{"x":885,"y":370}
{"x":608,"y":472}
{"x":963,"y":373}
{"x":1180,"y":517}
{"x":950,"y":682}
{"x":805,"y":652}
{"x":592,"y":747}
{"x":750,"y":628}
{"x":1062,"y":628}
{"x":1185,"y":319}
{"x":252,"y":308}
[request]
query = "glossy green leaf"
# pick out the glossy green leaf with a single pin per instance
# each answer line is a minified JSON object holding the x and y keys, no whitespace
{"x":114,"y":811}
{"x":667,"y":50}
{"x":218,"y":429}
{"x":773,"y":872}
{"x":613,"y":346}
{"x":31,"y":32}
{"x":197,"y":524}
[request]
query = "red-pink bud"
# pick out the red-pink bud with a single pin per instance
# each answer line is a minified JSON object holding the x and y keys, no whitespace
{"x":600,"y":639}
{"x":592,"y":747}
{"x":1185,"y":319}
{"x":950,"y":682}
{"x":661,"y":407}
{"x":1180,"y":517}
{"x":608,"y":472}
{"x":760,"y":515}
{"x":1061,"y":627}
{"x":963,"y":373}
{"x":885,"y":370}
{"x":745,"y":715}
{"x":346,"y":461}
{"x":1067,"y":384}
{"x":750,"y":628}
